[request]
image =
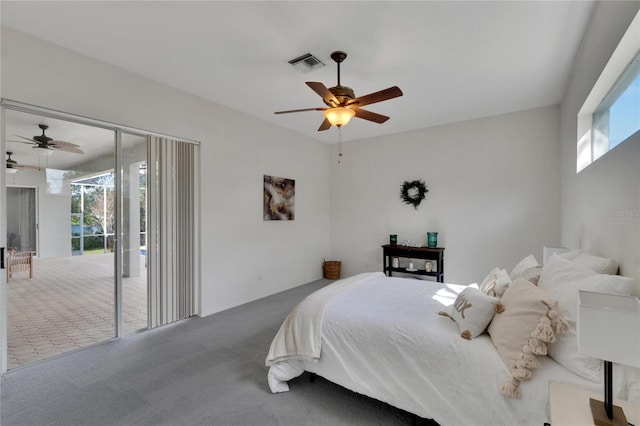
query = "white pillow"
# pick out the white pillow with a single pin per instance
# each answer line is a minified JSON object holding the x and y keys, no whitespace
{"x":570,"y":255}
{"x":631,"y":381}
{"x":601,"y":265}
{"x":473,"y":311}
{"x":495,"y":283}
{"x":562,"y":279}
{"x":548,"y":251}
{"x":526,"y":263}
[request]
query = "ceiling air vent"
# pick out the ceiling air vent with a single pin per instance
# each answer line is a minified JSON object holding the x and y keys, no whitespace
{"x":306,"y":63}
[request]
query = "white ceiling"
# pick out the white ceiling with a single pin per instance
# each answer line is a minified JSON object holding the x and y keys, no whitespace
{"x":454,"y":60}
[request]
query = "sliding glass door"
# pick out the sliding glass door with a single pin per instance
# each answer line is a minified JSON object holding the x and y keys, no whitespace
{"x":133,"y":283}
{"x":77,"y":212}
{"x":64,"y":299}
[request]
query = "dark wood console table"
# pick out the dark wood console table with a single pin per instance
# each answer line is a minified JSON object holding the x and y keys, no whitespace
{"x":426,"y":253}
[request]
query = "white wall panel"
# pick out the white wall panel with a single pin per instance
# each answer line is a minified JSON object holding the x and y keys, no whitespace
{"x":493,"y":193}
{"x":601,"y":204}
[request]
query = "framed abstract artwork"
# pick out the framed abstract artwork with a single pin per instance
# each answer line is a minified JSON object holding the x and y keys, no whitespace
{"x":279,"y":198}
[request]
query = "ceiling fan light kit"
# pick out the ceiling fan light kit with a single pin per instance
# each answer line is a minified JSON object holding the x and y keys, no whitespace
{"x":339,"y":116}
{"x":342,"y":104}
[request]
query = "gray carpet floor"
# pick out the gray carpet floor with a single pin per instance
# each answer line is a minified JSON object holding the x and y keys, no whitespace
{"x":200,"y":371}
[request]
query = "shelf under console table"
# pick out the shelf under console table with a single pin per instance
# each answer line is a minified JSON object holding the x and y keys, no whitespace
{"x":389,"y":251}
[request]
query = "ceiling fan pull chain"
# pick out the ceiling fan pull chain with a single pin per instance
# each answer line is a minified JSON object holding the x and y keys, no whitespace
{"x":339,"y":143}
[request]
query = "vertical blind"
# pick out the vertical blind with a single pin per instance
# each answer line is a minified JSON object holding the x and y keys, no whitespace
{"x":173,"y":229}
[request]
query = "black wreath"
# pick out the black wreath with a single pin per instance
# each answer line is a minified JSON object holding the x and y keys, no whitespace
{"x":416,"y":198}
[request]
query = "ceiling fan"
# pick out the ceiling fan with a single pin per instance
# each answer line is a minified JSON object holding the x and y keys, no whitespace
{"x":342,"y":104}
{"x":12,"y":165}
{"x":47,"y":145}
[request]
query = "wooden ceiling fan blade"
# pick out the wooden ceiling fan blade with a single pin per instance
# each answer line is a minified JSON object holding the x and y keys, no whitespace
{"x":63,"y":143}
{"x":24,"y":142}
{"x":371,"y":116}
{"x":382,"y":95}
{"x":25,"y":138}
{"x":26,"y":167}
{"x":299,"y":110}
{"x":322,"y":90}
{"x":325,"y":125}
{"x":66,"y":147}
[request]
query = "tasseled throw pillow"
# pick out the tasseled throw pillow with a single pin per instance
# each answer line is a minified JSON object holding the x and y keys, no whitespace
{"x":522,"y":330}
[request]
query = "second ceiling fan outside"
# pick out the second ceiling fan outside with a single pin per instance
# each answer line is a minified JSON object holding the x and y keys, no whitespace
{"x":47,"y":145}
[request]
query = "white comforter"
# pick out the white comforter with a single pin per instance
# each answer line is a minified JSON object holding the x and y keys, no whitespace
{"x":300,"y":336}
{"x":384,"y":339}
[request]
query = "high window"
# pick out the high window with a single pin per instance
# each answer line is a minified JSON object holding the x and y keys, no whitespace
{"x":618,"y":116}
{"x":611,"y":112}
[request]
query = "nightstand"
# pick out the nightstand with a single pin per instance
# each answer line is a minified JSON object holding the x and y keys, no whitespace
{"x":569,"y":405}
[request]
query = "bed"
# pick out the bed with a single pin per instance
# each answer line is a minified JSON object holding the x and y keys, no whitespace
{"x":383,"y":337}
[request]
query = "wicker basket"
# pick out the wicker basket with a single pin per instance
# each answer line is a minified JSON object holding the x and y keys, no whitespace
{"x":331,"y":269}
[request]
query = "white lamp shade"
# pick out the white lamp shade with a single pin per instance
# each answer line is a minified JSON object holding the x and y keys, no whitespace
{"x":339,"y":116}
{"x":608,"y":327}
{"x":10,"y":170}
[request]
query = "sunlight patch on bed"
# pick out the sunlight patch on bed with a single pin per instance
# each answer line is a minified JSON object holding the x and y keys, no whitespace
{"x":448,"y":294}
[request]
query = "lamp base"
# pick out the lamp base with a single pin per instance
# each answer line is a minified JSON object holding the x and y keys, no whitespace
{"x":600,"y":415}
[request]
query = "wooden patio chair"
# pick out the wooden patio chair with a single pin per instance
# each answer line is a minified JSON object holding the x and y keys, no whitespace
{"x":19,"y":262}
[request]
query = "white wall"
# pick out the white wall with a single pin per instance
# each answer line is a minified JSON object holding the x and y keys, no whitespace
{"x":592,"y":199}
{"x":243,"y":257}
{"x":493,"y":193}
{"x":54,"y":208}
